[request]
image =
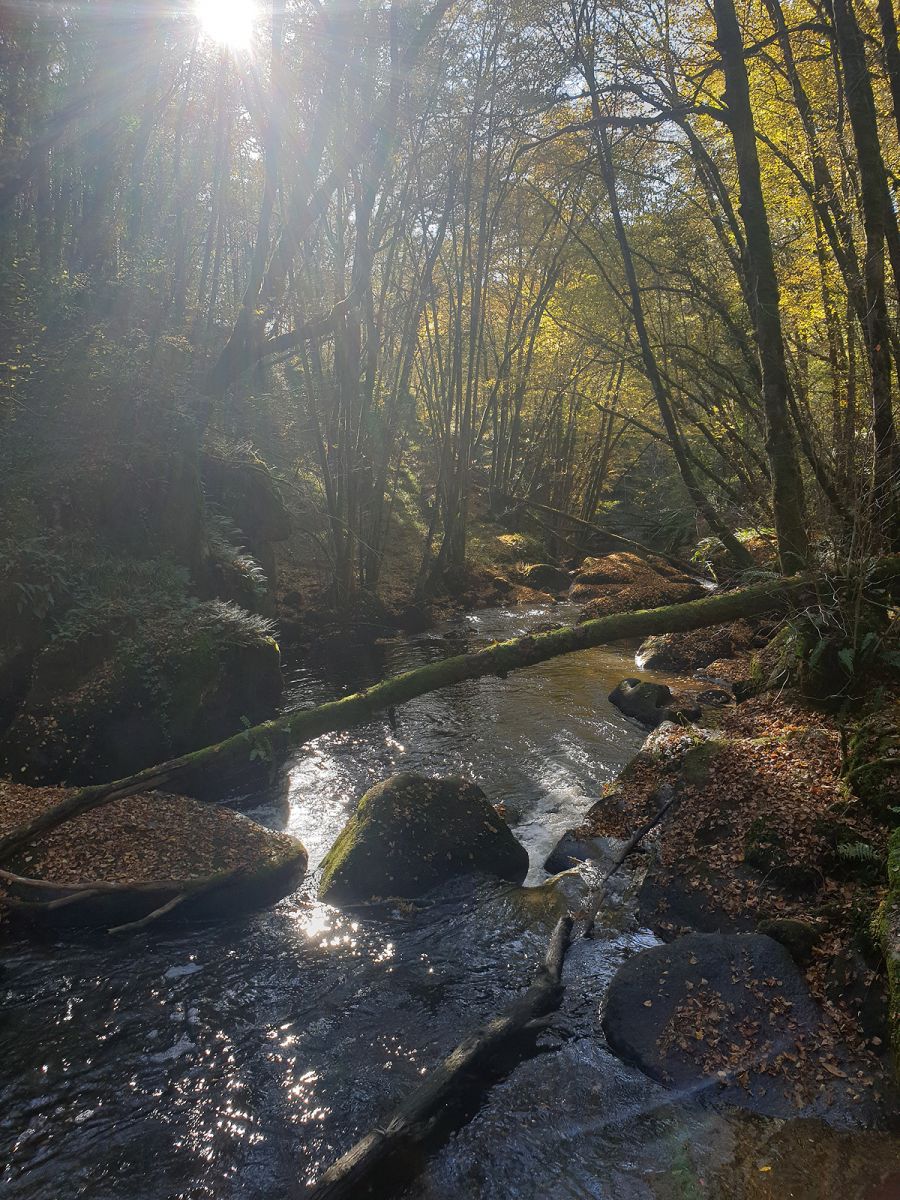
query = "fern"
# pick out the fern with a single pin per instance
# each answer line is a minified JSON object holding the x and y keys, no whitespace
{"x":859,"y":852}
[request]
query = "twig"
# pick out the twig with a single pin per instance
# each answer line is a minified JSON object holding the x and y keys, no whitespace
{"x":600,"y":894}
{"x":150,"y":917}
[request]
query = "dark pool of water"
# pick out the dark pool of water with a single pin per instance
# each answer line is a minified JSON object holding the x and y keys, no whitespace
{"x":237,"y":1061}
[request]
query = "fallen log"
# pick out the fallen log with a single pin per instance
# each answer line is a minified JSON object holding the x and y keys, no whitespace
{"x":274,"y":738}
{"x":412,"y":1121}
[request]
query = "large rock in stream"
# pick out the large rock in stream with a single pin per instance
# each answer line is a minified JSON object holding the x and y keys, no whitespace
{"x":649,"y":703}
{"x":732,"y":1015}
{"x":120,"y":863}
{"x":623,"y":582}
{"x":410,"y":834}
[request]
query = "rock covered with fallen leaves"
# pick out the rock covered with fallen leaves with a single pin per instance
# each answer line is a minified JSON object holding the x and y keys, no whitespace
{"x":410,"y":834}
{"x":140,"y":852}
{"x":731,"y":1016}
{"x":623,"y":582}
{"x":693,"y":649}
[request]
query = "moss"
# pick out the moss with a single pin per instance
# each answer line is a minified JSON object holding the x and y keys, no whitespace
{"x":107,"y":698}
{"x":798,"y":937}
{"x":886,"y":927}
{"x":873,"y":761}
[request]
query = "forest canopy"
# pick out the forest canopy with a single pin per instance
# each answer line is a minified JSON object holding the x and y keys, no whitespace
{"x":439,"y":256}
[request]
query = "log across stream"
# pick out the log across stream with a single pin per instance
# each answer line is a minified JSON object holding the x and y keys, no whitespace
{"x":240,"y":1061}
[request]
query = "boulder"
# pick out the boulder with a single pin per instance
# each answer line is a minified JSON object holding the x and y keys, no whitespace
{"x":799,"y":938}
{"x":731,"y":1014}
{"x":145,"y":851}
{"x":873,"y":761}
{"x":108,"y":701}
{"x":545,"y":577}
{"x":646,"y":702}
{"x":574,"y":847}
{"x":649,"y":703}
{"x":410,"y":834}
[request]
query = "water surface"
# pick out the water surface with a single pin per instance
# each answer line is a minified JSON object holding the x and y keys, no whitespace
{"x":237,"y":1061}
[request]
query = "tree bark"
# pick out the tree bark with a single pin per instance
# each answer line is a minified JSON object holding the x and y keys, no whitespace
{"x":787,"y":481}
{"x":891,"y":53}
{"x":875,"y":205}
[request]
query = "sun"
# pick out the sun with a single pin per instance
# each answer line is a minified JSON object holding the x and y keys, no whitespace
{"x":229,"y":22}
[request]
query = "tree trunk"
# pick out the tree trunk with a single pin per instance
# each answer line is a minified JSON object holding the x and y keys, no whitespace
{"x":704,"y":506}
{"x":787,"y":482}
{"x":891,"y":53}
{"x":875,"y":202}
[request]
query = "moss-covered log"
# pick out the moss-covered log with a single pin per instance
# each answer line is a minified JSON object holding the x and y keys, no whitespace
{"x":276,"y":737}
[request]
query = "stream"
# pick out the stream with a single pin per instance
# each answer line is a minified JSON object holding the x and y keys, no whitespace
{"x":238,"y":1061}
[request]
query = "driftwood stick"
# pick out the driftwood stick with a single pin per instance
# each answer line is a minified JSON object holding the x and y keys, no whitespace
{"x":412,"y":1119}
{"x":296,"y":728}
{"x":131,"y":926}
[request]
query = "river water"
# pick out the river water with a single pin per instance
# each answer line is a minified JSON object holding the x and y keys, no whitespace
{"x":237,"y":1061}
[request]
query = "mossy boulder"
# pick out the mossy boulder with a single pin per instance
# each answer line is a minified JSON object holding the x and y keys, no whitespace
{"x":106,"y":700}
{"x":887,"y":930}
{"x":799,"y":938}
{"x":873,"y":762}
{"x":410,"y":834}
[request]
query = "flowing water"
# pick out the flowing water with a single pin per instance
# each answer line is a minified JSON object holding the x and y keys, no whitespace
{"x":237,"y":1061}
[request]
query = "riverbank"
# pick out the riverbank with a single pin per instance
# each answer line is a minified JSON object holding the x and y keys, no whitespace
{"x":768,"y":837}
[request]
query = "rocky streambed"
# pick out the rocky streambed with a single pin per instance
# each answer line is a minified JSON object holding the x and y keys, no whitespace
{"x":240,"y":1059}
